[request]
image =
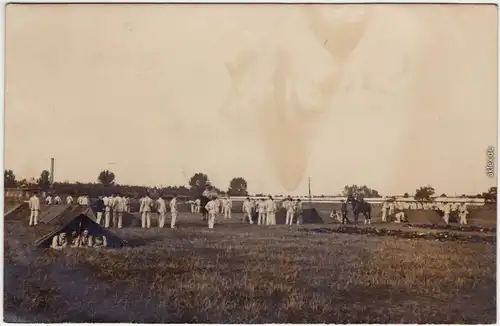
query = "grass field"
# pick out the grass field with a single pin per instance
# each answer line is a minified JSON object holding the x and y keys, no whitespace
{"x":249,"y":274}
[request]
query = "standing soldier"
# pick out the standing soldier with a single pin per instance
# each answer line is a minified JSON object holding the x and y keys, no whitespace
{"x":463,"y":213}
{"x":146,"y":203}
{"x":211,"y":209}
{"x":173,"y":211}
{"x":197,"y":205}
{"x":271,"y":209}
{"x":192,"y":206}
{"x":99,"y":208}
{"x":34,"y":204}
{"x":118,"y":209}
{"x":298,"y":210}
{"x":126,"y":199}
{"x":384,"y":211}
{"x":261,"y":207}
{"x":223,"y":206}
{"x":107,"y":211}
{"x":162,"y":211}
{"x":289,"y":207}
{"x":247,"y":210}
{"x":446,"y":209}
{"x":114,"y":208}
{"x":228,"y":205}
{"x":391,"y":208}
{"x":343,"y":211}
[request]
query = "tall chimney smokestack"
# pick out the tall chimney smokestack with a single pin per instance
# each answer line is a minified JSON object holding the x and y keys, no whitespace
{"x":52,"y":171}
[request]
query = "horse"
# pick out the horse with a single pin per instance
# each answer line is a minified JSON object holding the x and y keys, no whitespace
{"x":359,"y":206}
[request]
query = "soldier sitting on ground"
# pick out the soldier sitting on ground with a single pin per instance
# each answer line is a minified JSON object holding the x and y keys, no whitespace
{"x":336,"y":216}
{"x":59,"y":241}
{"x":100,"y":242}
{"x":85,"y":240}
{"x":74,"y":241}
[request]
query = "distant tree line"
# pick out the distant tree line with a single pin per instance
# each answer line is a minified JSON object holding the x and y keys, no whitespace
{"x":237,"y":187}
{"x":106,"y":185}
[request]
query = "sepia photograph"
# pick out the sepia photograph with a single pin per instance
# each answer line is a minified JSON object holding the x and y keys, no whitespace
{"x":250,"y":163}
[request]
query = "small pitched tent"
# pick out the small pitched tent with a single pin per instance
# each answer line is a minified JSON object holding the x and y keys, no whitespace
{"x":79,"y":222}
{"x":425,"y":216}
{"x":16,"y":212}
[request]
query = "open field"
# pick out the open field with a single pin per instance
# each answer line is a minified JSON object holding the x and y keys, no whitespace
{"x":249,"y":274}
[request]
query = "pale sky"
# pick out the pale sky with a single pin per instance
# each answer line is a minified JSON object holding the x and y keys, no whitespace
{"x":391,"y":96}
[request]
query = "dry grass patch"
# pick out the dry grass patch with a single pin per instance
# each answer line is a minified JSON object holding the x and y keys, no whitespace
{"x":272,"y":275}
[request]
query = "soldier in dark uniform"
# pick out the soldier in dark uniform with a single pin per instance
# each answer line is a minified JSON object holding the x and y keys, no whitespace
{"x":343,"y":211}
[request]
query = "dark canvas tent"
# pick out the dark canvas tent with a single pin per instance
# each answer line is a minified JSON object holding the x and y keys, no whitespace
{"x":420,"y":216}
{"x":16,"y":211}
{"x":78,"y":222}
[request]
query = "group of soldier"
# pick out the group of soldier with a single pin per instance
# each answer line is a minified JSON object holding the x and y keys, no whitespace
{"x":54,"y":199}
{"x":78,"y":240}
{"x":112,"y":208}
{"x":266,"y":210}
{"x":397,"y":209}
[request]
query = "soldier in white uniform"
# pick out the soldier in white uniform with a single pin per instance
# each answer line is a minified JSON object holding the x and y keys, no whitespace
{"x":173,"y":211}
{"x":463,"y":213}
{"x":114,"y":208}
{"x":261,"y":208}
{"x":197,"y":205}
{"x":222,"y":203}
{"x":48,"y":200}
{"x":192,"y":206}
{"x":162,"y":211}
{"x":271,"y":209}
{"x":126,"y":200}
{"x":145,"y":210}
{"x":57,"y":200}
{"x":290,"y":210}
{"x":247,"y":210}
{"x":334,"y":215}
{"x":228,"y":205}
{"x":211,"y":208}
{"x":446,"y":209}
{"x":219,"y":205}
{"x":400,"y":217}
{"x":69,"y":200}
{"x":34,"y":205}
{"x":385,"y":207}
{"x":118,"y":209}
{"x":391,"y":208}
{"x":107,"y":211}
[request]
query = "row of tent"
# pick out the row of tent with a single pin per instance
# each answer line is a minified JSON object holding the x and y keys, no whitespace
{"x":66,"y":218}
